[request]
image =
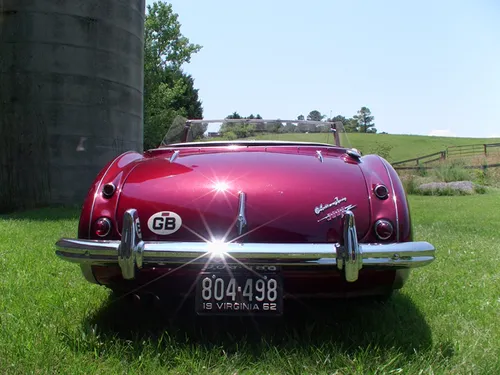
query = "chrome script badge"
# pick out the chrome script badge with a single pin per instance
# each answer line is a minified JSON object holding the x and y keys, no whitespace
{"x":319,"y":209}
{"x":337,"y":212}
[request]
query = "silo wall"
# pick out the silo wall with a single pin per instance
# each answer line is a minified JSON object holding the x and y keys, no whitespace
{"x":71,"y":95}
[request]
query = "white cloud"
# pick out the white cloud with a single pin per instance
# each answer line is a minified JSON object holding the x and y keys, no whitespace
{"x":442,"y":133}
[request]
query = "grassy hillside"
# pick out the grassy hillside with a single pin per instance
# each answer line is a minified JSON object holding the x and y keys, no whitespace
{"x":398,"y":147}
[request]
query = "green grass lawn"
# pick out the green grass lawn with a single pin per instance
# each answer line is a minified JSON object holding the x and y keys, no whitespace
{"x":445,"y":320}
{"x":400,"y":146}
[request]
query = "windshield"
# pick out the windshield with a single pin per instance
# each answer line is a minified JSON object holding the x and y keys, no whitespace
{"x":236,"y":131}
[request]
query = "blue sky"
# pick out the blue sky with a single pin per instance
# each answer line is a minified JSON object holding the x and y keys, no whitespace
{"x":422,"y":67}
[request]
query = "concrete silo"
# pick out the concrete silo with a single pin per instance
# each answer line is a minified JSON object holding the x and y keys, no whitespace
{"x":71,"y":95}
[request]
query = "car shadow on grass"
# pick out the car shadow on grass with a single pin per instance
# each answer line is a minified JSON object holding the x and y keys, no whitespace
{"x":348,"y":325}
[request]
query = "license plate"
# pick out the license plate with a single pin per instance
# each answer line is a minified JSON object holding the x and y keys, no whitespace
{"x":237,"y":293}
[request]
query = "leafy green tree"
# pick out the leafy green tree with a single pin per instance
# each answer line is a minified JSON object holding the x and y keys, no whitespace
{"x":173,"y":96}
{"x":300,"y":117}
{"x":365,"y":121}
{"x":229,"y":135}
{"x":274,"y":127}
{"x":339,"y":118}
{"x":164,"y":45}
{"x":351,"y":125}
{"x":240,"y":130}
{"x":234,"y":116}
{"x":315,"y":116}
{"x":168,"y":92}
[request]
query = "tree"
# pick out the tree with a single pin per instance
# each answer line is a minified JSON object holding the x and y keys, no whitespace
{"x":168,"y":91}
{"x":300,"y":117}
{"x":164,"y":45}
{"x":365,"y":121}
{"x":173,"y":96}
{"x":274,"y":127}
{"x":351,"y":125}
{"x":315,"y":116}
{"x":234,"y":116}
{"x":233,"y":130}
{"x":340,"y":118}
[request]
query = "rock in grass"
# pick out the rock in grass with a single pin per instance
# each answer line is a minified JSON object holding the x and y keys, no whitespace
{"x":450,"y":188}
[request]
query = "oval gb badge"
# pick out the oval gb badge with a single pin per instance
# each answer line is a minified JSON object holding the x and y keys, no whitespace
{"x":164,"y":223}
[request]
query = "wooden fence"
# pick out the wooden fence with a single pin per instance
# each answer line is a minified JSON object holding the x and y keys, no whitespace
{"x":449,"y":153}
{"x":420,"y":167}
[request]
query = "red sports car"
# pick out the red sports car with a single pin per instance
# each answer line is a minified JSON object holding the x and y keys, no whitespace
{"x":241,"y":225}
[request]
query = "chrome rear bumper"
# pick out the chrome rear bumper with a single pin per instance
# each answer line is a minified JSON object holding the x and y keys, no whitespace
{"x":131,"y":253}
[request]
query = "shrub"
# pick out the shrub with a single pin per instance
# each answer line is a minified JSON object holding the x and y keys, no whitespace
{"x":481,"y":176}
{"x":453,"y":171}
{"x":230,"y":136}
{"x":410,"y":184}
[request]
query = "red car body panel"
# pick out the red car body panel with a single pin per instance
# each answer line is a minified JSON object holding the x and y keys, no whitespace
{"x":284,"y":184}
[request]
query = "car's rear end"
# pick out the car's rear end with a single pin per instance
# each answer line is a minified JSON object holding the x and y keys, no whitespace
{"x":241,"y":226}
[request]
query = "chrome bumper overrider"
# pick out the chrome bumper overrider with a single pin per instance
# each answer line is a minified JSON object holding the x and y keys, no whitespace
{"x":131,"y":253}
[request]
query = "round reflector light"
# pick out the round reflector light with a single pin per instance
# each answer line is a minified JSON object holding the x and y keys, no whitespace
{"x":381,"y":192}
{"x":108,"y":190}
{"x":102,"y":227}
{"x":383,"y":229}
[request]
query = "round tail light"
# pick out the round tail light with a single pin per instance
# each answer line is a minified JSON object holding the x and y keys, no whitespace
{"x":381,"y":191}
{"x":102,"y":227}
{"x":384,"y":229}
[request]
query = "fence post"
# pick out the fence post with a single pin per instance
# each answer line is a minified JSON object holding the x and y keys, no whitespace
{"x":485,"y":150}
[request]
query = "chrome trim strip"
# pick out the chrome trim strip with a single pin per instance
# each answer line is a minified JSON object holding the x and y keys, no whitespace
{"x":241,"y":220}
{"x":131,"y":253}
{"x":319,"y":155}
{"x":174,"y":156}
{"x":244,"y":143}
{"x":394,"y":198}
{"x":260,"y":121}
